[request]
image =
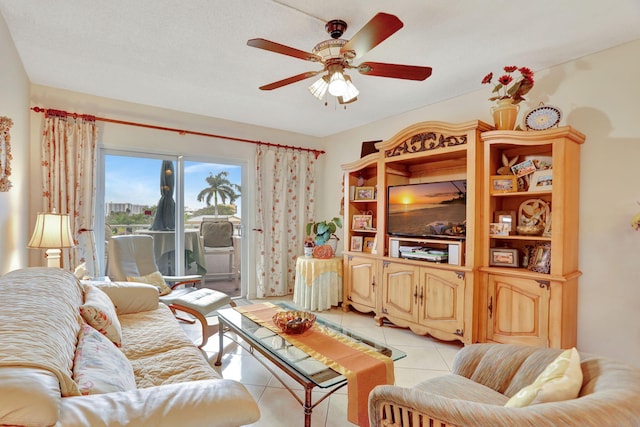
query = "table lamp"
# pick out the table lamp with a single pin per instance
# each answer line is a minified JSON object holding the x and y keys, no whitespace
{"x":52,"y":232}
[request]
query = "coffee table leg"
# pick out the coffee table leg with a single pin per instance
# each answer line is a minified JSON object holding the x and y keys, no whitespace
{"x":221,"y":341}
{"x":308,"y":407}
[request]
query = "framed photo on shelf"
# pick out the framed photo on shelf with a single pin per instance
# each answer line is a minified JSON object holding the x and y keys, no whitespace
{"x":356,"y":244}
{"x":503,"y":184}
{"x":541,"y":180}
{"x":540,"y":259}
{"x":369,"y":244}
{"x":506,"y":217}
{"x":364,"y":193}
{"x":524,"y":168}
{"x":362,"y":222}
{"x":503,"y":257}
{"x":499,"y":229}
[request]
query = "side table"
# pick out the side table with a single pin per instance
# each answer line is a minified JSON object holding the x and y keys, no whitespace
{"x":318,"y":284}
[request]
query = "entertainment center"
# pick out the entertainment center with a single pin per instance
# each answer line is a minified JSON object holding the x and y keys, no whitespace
{"x":440,"y":259}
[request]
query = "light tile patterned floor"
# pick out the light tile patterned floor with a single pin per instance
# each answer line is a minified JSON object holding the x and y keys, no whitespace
{"x":426,"y":358}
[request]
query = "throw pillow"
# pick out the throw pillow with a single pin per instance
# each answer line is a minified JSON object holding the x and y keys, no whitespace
{"x":99,"y":312}
{"x":99,"y":366}
{"x":154,"y":279}
{"x":561,"y":380}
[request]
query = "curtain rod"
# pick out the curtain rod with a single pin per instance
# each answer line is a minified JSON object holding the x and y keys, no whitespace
{"x":179,"y":131}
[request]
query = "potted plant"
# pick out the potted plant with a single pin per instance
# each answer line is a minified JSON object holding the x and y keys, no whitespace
{"x":319,"y":234}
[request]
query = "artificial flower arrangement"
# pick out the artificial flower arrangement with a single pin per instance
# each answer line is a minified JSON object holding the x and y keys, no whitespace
{"x":635,"y":222}
{"x":509,"y":87}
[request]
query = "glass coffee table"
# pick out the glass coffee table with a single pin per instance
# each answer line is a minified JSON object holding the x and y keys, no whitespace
{"x":304,"y":369}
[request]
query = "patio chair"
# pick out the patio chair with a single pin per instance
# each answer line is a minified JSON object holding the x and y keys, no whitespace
{"x":218,"y":240}
{"x":131,"y":259}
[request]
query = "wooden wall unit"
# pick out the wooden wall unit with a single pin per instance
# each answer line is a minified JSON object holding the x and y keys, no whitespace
{"x":469,"y":300}
{"x":430,"y":298}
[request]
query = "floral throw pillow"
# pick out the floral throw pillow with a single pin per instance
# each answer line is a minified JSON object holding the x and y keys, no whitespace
{"x":99,"y":366}
{"x":99,"y":312}
{"x":154,"y":279}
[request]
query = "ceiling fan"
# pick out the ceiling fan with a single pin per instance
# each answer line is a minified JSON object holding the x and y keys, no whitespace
{"x":337,"y":55}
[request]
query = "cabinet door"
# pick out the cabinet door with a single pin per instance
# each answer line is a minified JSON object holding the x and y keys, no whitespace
{"x":400,"y":290}
{"x":441,"y":298}
{"x":518,"y":311}
{"x":361,"y":281}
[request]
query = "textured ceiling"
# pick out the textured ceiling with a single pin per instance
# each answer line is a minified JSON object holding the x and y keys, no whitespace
{"x":192,"y":55}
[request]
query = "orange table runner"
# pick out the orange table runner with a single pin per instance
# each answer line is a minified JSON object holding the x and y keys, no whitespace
{"x":364,"y":367}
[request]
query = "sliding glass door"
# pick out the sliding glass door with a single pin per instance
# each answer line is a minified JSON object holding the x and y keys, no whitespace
{"x":190,"y":208}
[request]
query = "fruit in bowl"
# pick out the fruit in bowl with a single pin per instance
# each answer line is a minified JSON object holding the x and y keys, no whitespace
{"x":294,"y":322}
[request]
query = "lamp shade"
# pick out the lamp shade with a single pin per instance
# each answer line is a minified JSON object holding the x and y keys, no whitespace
{"x":337,"y":84}
{"x":319,"y":88}
{"x":52,"y":231}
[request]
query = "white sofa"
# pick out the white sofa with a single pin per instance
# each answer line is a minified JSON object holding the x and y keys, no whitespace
{"x":41,"y":328}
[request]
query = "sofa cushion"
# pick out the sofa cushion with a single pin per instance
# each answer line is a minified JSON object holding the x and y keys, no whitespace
{"x":561,"y":380}
{"x":41,"y":322}
{"x":154,"y":279}
{"x":24,"y":388}
{"x":99,"y":312}
{"x":99,"y":366}
{"x":172,"y":359}
{"x":129,"y":297}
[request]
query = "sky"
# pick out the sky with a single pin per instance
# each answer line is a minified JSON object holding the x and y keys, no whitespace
{"x":136,"y":180}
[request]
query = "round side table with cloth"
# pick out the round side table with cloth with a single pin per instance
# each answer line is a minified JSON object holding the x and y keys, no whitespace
{"x":318,"y":284}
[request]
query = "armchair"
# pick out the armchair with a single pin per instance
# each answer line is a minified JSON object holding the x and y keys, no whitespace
{"x":485,"y":376}
{"x":131,"y":258}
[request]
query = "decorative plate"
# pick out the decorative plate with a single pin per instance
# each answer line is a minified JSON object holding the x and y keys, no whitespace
{"x":542,"y":117}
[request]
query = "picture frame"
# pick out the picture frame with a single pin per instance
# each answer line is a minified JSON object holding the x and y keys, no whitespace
{"x":500,"y":184}
{"x":541,"y":180}
{"x":356,"y":243}
{"x":523,"y":168}
{"x":5,"y":153}
{"x":503,"y":257}
{"x":540,"y":258}
{"x":369,"y":245}
{"x":499,"y":229}
{"x":362,"y":222}
{"x":365,"y":193}
{"x":507,"y":217}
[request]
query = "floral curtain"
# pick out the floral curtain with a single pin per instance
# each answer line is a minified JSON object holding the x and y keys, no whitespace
{"x":69,"y":180}
{"x":285,"y":198}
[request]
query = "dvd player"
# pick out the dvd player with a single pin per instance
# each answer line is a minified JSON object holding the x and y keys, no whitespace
{"x":426,"y":254}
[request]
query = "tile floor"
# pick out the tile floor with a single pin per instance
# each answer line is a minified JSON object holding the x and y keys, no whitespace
{"x":426,"y":358}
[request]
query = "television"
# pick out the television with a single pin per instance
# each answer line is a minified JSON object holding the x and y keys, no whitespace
{"x":434,"y":209}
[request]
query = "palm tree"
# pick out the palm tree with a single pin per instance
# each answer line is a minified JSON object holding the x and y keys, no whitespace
{"x":219,"y":186}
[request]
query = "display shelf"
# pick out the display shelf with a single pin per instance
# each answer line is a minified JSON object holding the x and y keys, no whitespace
{"x":543,"y":282}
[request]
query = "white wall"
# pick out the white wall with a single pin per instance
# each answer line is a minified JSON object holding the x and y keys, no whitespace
{"x":14,"y":103}
{"x":599,"y":95}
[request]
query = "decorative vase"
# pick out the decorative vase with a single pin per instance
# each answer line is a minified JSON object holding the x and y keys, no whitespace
{"x":308,"y":251}
{"x":505,"y":114}
{"x":323,"y":252}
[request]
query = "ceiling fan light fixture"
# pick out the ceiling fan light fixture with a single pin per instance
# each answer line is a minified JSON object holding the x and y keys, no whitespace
{"x":337,"y":84}
{"x":351,"y":92}
{"x":319,"y":87}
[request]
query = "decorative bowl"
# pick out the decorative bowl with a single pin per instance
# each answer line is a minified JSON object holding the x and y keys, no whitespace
{"x":530,"y":230}
{"x":294,"y":322}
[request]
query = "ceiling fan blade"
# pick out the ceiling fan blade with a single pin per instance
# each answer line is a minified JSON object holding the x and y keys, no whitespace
{"x":285,"y":50}
{"x":289,"y":80}
{"x":381,"y":27}
{"x":395,"y":71}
